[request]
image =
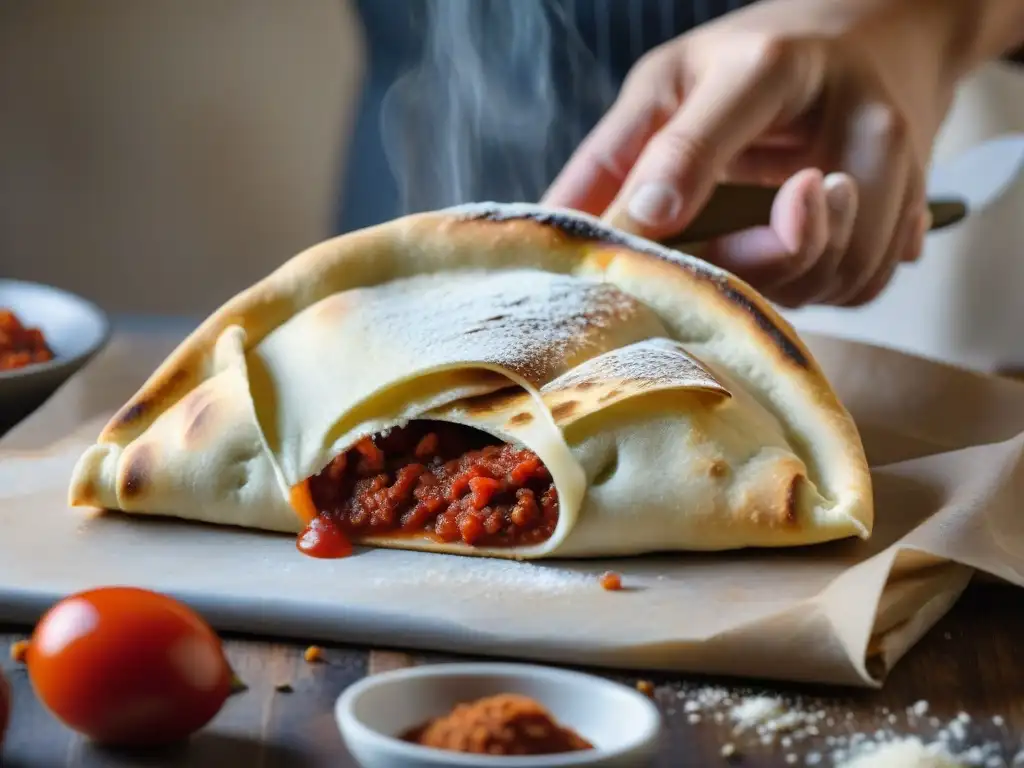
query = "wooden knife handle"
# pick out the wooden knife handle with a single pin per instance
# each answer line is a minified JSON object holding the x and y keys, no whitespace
{"x":735,"y":207}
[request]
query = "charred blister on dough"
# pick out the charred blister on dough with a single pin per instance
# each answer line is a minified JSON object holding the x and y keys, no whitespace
{"x":132,"y":412}
{"x":782,"y":341}
{"x":591,"y":230}
{"x":792,"y":498}
{"x":138,"y":468}
{"x":86,"y":494}
{"x":771,"y":498}
{"x":565,"y":409}
{"x":492,"y":403}
{"x":520,"y":419}
{"x":718,"y":469}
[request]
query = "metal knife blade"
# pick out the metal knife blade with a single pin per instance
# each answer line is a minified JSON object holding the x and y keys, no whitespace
{"x":981,"y":174}
{"x":967,"y":183}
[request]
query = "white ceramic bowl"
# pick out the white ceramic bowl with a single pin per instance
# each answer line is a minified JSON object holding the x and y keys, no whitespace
{"x":621,"y":723}
{"x":75,"y":329}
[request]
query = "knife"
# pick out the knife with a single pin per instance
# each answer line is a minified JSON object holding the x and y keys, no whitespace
{"x":965,"y":184}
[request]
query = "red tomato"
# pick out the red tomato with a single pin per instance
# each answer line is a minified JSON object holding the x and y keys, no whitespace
{"x":5,"y":706}
{"x":126,"y":666}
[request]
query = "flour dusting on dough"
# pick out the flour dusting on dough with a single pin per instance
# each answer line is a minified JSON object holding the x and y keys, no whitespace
{"x":646,"y":364}
{"x":534,"y":323}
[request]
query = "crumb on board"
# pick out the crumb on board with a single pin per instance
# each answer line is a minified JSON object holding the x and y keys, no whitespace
{"x":611,"y":581}
{"x":284,"y":687}
{"x":313,"y":654}
{"x":237,"y":684}
{"x":19,"y":651}
{"x":646,"y":687}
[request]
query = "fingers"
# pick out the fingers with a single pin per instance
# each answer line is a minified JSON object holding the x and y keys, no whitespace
{"x":877,"y":157}
{"x":677,"y":170}
{"x":905,"y":246}
{"x":596,"y":171}
{"x":777,"y":254}
{"x":904,"y":243}
{"x":841,"y":202}
{"x":924,"y":227}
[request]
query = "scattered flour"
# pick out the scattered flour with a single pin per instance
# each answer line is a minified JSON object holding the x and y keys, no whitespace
{"x":814,"y":732}
{"x":460,"y":574}
{"x":905,"y":753}
{"x":755,"y":711}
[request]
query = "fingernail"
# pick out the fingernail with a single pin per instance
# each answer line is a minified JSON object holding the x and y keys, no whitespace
{"x":839,"y":193}
{"x":655,"y":204}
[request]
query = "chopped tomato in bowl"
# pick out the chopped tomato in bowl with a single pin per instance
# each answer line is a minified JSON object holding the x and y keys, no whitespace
{"x":20,"y":346}
{"x":46,"y":336}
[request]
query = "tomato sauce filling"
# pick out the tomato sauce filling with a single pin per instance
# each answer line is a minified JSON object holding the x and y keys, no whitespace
{"x":20,"y":346}
{"x":451,"y":482}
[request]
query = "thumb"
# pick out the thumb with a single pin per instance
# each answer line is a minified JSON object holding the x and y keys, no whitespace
{"x":681,"y":164}
{"x":597,"y":169}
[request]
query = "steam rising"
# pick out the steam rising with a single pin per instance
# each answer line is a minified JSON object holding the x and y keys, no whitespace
{"x":482,"y":117}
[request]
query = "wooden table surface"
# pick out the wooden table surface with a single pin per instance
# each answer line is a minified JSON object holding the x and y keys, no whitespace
{"x":970,"y":665}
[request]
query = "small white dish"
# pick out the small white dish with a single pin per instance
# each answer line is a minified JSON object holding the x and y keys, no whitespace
{"x":621,"y":723}
{"x":74,"y":328}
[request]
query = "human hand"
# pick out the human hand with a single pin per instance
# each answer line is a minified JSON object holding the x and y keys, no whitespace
{"x":837,"y":100}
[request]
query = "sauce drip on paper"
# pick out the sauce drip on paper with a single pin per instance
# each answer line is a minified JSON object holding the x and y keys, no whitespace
{"x":324,"y":539}
{"x":321,"y":537}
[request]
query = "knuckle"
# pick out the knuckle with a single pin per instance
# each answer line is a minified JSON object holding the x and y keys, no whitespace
{"x":683,"y":152}
{"x":885,"y":123}
{"x":654,"y":64}
{"x":776,"y":55}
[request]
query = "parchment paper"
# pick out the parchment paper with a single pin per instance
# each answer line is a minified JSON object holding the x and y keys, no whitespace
{"x":946,"y":447}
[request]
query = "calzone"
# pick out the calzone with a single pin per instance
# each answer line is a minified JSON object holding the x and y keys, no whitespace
{"x":499,"y":380}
